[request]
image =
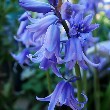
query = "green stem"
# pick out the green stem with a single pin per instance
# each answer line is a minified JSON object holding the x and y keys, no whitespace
{"x":79,"y":82}
{"x":96,"y":86}
{"x":85,"y":81}
{"x":96,"y":91}
{"x":48,"y":81}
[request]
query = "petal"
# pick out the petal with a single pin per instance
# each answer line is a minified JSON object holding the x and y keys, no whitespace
{"x":56,"y":95}
{"x":38,"y":34}
{"x":44,"y":99}
{"x":70,"y":51}
{"x":70,"y":64}
{"x":65,"y":94}
{"x":36,"y":59}
{"x":38,"y":56}
{"x":89,"y":62}
{"x":24,"y":16}
{"x":35,"y":6}
{"x":75,"y":104}
{"x":22,"y":27}
{"x":88,"y":19}
{"x":78,"y":18}
{"x":70,"y":91}
{"x":56,"y":70}
{"x":32,"y":20}
{"x":78,"y":7}
{"x":48,"y":54}
{"x":83,"y":65}
{"x":45,"y":64}
{"x":42,"y":23}
{"x":52,"y":37}
{"x":25,"y":38}
{"x":91,"y":27}
{"x":73,"y":31}
{"x":84,"y":97}
{"x":78,"y":49}
{"x":21,"y":57}
{"x":66,"y":10}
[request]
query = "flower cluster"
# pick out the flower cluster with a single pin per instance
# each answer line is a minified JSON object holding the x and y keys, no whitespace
{"x":42,"y":35}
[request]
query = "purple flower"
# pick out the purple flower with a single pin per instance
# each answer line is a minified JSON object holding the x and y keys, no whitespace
{"x":35,"y":6}
{"x":76,"y":46}
{"x":49,"y":54}
{"x":63,"y":95}
{"x":24,"y":35}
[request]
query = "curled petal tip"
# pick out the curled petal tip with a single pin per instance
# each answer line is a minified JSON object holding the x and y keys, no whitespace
{"x":29,"y":56}
{"x":89,"y":62}
{"x":24,"y":16}
{"x":85,"y":97}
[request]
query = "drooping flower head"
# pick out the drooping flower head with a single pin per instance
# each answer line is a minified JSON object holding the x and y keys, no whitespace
{"x":24,"y":35}
{"x":64,"y":95}
{"x":49,"y":53}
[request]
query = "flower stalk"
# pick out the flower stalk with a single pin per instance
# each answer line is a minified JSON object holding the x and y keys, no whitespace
{"x":78,"y":82}
{"x":85,"y":86}
{"x":96,"y":90}
{"x":85,"y":81}
{"x":48,"y":82}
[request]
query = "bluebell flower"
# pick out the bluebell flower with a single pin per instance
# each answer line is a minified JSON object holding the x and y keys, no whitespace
{"x":80,"y":31}
{"x":35,"y":6}
{"x":24,"y":35}
{"x":49,"y":54}
{"x":64,"y":95}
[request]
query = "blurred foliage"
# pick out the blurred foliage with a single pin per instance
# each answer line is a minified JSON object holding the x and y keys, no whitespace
{"x":103,"y":31}
{"x":19,"y":86}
